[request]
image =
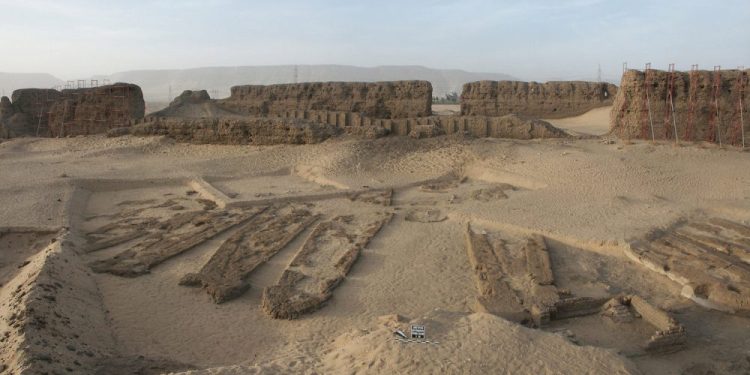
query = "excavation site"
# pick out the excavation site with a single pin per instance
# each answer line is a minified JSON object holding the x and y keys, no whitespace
{"x":306,"y":228}
{"x":388,"y":226}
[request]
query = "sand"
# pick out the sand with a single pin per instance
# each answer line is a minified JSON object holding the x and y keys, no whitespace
{"x":587,"y":197}
{"x":446,"y":109}
{"x":593,"y":122}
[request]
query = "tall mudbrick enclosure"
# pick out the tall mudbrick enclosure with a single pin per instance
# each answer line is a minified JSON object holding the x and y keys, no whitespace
{"x":95,"y":110}
{"x":398,"y":99}
{"x":48,"y":112}
{"x":533,"y":99}
{"x":708,"y":106}
{"x":276,"y":113}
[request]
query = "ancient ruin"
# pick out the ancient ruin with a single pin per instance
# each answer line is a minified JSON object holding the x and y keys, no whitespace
{"x":321,"y":264}
{"x":533,"y":99}
{"x":248,"y":130}
{"x":261,"y":115}
{"x":389,"y":100}
{"x":519,"y":285}
{"x":85,"y":111}
{"x":224,"y":276}
{"x":181,"y":232}
{"x":699,"y":105}
{"x":709,"y":257}
{"x":95,"y":110}
{"x":298,"y":127}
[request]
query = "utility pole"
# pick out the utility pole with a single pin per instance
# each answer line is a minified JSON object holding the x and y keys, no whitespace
{"x":296,"y":74}
{"x":599,"y":73}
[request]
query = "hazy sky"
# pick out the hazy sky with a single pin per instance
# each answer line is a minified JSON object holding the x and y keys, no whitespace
{"x":541,"y":39}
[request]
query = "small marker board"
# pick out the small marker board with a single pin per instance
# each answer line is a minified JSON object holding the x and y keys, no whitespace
{"x":418,"y":332}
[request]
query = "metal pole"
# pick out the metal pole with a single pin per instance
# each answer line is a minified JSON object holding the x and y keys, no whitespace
{"x":648,"y":101}
{"x":650,"y":120}
{"x":717,"y":89}
{"x":742,"y":120}
{"x":39,"y":124}
{"x":674,"y":121}
{"x":742,"y":123}
{"x":718,"y":121}
{"x":671,"y":101}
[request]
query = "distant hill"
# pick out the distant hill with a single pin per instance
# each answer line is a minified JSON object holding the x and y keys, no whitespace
{"x":218,"y":80}
{"x":14,"y":81}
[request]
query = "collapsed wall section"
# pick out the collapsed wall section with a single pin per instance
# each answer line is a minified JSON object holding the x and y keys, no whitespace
{"x":256,"y":131}
{"x":510,"y":126}
{"x":707,"y":106}
{"x":396,"y":99}
{"x":316,"y":126}
{"x":533,"y":99}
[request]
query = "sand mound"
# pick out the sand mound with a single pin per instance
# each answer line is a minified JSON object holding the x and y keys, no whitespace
{"x":193,"y":104}
{"x":54,"y":322}
{"x":476,"y":344}
{"x":466,"y":344}
{"x":593,"y":122}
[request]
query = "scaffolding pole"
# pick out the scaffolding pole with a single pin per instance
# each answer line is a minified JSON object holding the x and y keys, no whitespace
{"x":692,"y":102}
{"x":740,"y":91}
{"x":717,"y":92}
{"x":670,"y":98}
{"x":648,"y":76}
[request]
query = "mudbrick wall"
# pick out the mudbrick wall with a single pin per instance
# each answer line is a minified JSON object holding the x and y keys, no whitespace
{"x":6,"y":111}
{"x":510,"y":126}
{"x":95,"y":110}
{"x":256,"y":131}
{"x":533,"y":99}
{"x":31,"y":107}
{"x":707,"y":106}
{"x":397,"y":99}
{"x":48,"y":112}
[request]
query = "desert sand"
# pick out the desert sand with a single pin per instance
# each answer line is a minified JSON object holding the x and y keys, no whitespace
{"x":589,"y":199}
{"x":593,"y":122}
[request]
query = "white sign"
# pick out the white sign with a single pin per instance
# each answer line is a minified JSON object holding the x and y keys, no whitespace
{"x":418,"y":332}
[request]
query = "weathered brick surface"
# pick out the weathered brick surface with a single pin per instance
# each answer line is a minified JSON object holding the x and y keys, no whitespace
{"x":533,"y":99}
{"x":398,"y":99}
{"x":693,"y":92}
{"x":95,"y":110}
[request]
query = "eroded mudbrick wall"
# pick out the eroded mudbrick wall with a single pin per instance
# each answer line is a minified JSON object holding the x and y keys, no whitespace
{"x":250,"y":130}
{"x":533,"y":99}
{"x":31,"y":107}
{"x":48,"y":112}
{"x":316,"y":126}
{"x":95,"y":110}
{"x":397,"y":99}
{"x":707,"y":106}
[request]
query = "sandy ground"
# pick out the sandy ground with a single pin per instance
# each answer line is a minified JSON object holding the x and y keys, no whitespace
{"x":588,"y":197}
{"x":446,"y":109}
{"x":593,"y":122}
